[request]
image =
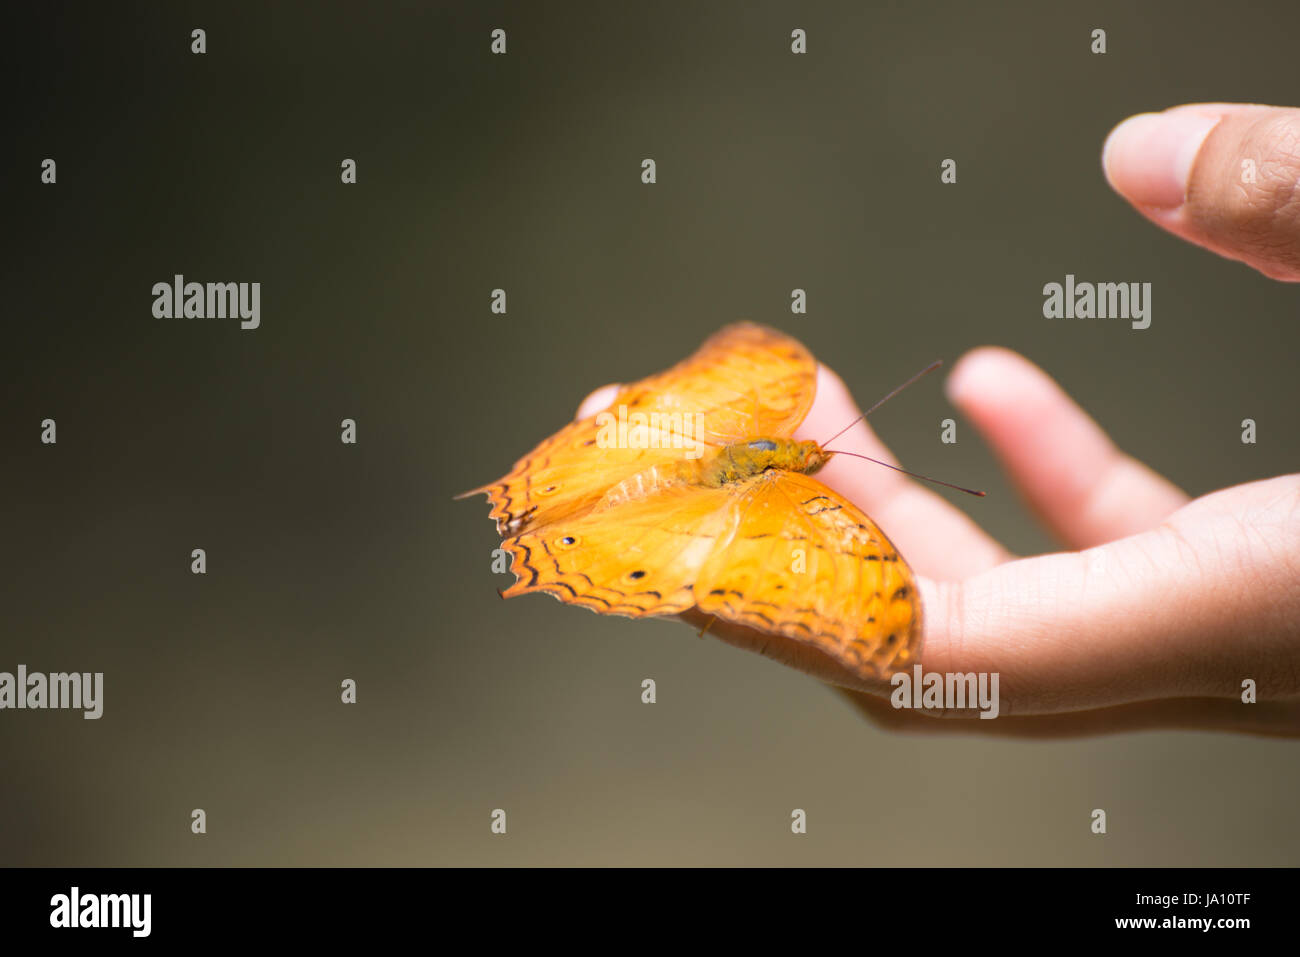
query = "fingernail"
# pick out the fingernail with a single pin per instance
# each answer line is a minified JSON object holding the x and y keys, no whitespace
{"x":1149,"y":157}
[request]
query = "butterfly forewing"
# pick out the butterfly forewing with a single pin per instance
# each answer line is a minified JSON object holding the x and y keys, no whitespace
{"x":744,"y":380}
{"x":637,"y":558}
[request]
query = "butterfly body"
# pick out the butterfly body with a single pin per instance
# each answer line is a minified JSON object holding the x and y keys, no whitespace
{"x":729,"y":520}
{"x":744,"y":460}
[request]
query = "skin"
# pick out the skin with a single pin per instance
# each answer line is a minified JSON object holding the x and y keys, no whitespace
{"x":1158,"y":607}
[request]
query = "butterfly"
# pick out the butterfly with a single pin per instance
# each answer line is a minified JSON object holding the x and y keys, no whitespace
{"x":689,"y":492}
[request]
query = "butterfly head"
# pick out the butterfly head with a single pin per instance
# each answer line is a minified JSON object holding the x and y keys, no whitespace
{"x":811,"y":456}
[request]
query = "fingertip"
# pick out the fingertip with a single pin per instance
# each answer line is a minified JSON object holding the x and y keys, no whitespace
{"x":832,"y":402}
{"x":832,"y":409}
{"x":598,"y":401}
{"x":982,"y":373}
{"x":1148,"y":158}
{"x":830,"y":385}
{"x":1008,"y":398}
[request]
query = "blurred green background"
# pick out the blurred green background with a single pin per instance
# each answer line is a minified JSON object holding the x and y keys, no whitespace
{"x":522,"y":171}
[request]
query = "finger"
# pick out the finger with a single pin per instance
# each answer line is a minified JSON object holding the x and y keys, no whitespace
{"x":1192,"y":608}
{"x":937,"y":538}
{"x":874,"y":698}
{"x":1274,"y":718}
{"x":598,"y":401}
{"x":1221,"y":175}
{"x":1073,"y":476}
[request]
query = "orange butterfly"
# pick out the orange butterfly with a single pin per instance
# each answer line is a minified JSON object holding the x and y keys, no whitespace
{"x":689,"y":492}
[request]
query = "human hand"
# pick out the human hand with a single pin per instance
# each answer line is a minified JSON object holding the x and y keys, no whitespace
{"x":1154,"y":618}
{"x":1161,"y":608}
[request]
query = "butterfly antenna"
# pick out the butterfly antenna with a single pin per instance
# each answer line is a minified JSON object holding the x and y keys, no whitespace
{"x":925,"y":478}
{"x":928,"y":369}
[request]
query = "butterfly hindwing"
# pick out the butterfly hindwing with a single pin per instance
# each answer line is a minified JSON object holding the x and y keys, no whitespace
{"x":804,"y":562}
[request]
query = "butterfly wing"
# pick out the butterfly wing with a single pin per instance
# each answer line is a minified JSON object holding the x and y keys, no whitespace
{"x":804,"y":562}
{"x":636,"y":558}
{"x":567,"y":475}
{"x":745,"y":380}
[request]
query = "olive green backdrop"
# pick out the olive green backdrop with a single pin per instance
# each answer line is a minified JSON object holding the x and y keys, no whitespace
{"x":522,"y":171}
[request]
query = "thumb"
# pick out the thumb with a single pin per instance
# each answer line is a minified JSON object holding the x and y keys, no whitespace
{"x":1191,"y":608}
{"x":1222,"y":175}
